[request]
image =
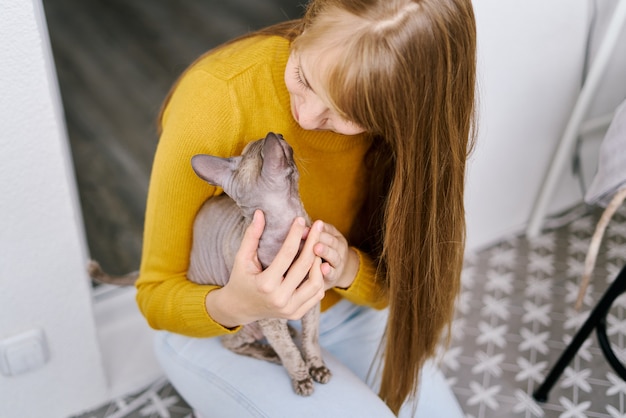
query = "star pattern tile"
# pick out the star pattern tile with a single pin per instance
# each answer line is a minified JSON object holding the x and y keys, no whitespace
{"x":518,"y":316}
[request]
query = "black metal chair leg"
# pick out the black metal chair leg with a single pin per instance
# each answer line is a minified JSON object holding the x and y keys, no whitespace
{"x":605,"y":345}
{"x":597,"y":315}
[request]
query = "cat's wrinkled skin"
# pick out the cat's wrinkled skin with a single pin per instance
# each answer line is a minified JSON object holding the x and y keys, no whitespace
{"x":264,"y":177}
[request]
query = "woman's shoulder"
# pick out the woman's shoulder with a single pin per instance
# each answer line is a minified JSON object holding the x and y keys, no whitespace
{"x":234,"y":58}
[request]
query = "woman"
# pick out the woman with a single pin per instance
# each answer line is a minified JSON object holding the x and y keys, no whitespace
{"x":376,"y":97}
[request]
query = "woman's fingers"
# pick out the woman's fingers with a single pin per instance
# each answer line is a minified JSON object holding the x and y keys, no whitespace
{"x":301,"y":266}
{"x":341,"y":263}
{"x":250,"y":242}
{"x":292,"y":302}
{"x":303,"y":284}
{"x":332,"y":246}
{"x":310,"y":292}
{"x":289,"y":250}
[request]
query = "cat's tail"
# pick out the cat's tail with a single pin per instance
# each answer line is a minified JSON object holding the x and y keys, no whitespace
{"x":97,"y":274}
{"x":596,"y":240}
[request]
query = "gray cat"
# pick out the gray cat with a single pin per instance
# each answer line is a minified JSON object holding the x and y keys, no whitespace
{"x":264,"y":177}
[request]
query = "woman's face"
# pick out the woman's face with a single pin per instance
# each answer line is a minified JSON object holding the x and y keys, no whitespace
{"x":307,"y":108}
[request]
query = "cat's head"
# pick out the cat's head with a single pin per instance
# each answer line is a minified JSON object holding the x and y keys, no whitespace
{"x":264,"y":177}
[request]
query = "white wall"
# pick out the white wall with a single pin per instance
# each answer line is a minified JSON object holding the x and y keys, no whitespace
{"x":612,"y":90}
{"x":43,"y":284}
{"x":531,"y":56}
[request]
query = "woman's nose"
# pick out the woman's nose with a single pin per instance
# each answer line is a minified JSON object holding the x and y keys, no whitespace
{"x":313,"y":114}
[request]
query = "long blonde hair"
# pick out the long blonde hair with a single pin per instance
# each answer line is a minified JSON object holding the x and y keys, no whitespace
{"x":406,"y":74}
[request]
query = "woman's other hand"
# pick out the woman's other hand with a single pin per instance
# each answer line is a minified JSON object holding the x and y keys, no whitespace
{"x":340,"y":262}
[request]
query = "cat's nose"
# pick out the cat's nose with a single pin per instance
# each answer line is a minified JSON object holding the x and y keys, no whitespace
{"x":274,"y":136}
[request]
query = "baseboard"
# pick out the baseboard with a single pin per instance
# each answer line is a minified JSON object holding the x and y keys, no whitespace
{"x":126,"y":342}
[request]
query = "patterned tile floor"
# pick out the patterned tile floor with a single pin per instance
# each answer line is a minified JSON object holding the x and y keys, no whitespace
{"x":515,"y":316}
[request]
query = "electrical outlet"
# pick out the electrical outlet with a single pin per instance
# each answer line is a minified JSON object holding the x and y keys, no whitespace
{"x":23,"y":353}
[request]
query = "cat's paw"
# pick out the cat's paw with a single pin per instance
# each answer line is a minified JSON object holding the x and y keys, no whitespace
{"x":303,"y":387}
{"x":320,"y":374}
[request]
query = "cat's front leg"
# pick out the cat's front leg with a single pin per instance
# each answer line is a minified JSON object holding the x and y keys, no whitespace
{"x":311,"y":346}
{"x":277,"y":334}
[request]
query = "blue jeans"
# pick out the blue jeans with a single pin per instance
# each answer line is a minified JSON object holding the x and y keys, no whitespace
{"x":218,"y":383}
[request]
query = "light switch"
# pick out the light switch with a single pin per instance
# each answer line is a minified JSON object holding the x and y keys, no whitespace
{"x":23,"y":353}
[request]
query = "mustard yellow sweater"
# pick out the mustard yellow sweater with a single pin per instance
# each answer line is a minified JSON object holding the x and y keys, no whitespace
{"x":225,"y":100}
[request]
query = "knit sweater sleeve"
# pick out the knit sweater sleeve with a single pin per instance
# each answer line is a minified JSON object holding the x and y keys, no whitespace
{"x":367,"y":288}
{"x":199,"y":118}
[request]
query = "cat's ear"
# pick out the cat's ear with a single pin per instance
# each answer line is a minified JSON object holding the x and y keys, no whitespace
{"x":213,"y":170}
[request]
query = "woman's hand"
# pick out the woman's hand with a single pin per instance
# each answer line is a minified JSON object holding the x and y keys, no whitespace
{"x":280,"y":290}
{"x":341,"y":262}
